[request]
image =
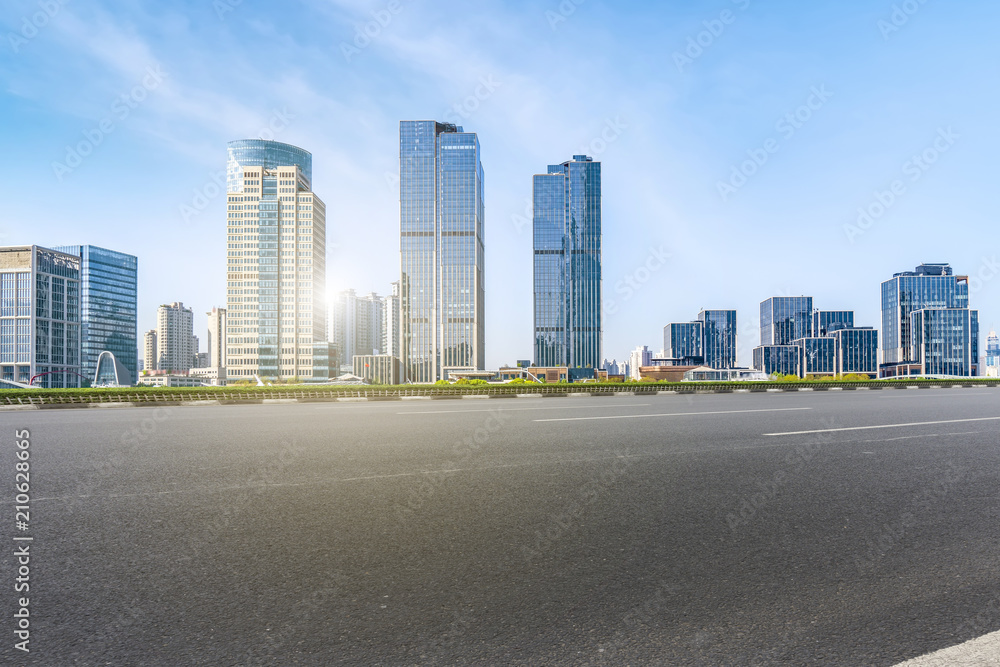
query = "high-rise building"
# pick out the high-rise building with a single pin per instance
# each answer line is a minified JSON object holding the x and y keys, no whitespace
{"x":682,"y":341}
{"x":276,"y":306}
{"x":151,"y":350}
{"x":390,"y":326}
{"x":825,"y":322}
{"x":857,"y":351}
{"x":175,"y":338}
{"x":785,"y":318}
{"x":39,"y":317}
{"x":441,"y":210}
{"x":720,"y":338}
{"x":817,"y":356}
{"x":782,"y":359}
{"x":929,"y":286}
{"x":217,"y":338}
{"x":357,"y":325}
{"x":992,"y":355}
{"x":945,"y":341}
{"x":640,"y":357}
{"x":567,"y":264}
{"x":108,"y":308}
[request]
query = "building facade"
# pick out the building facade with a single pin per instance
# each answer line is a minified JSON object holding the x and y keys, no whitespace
{"x":40,"y":317}
{"x":826,"y":322}
{"x":857,"y":351}
{"x":817,"y":356}
{"x":151,"y":351}
{"x":683,"y":340}
{"x":719,"y":338}
{"x":276,"y":272}
{"x":108,"y":308}
{"x":641,"y":357}
{"x":390,"y":326}
{"x":357,"y":325}
{"x":379,"y":369}
{"x":567,"y":264}
{"x":945,"y":341}
{"x":175,"y":339}
{"x":442,"y":293}
{"x":992,"y":369}
{"x":771,"y":359}
{"x":217,"y":338}
{"x":929,"y":286}
{"x":785,"y":318}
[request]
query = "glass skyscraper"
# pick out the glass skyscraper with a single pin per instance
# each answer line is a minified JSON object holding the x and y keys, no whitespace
{"x":944,"y":341}
{"x":108,"y":306}
{"x":567,"y":264}
{"x":817,"y":356}
{"x":441,"y":218}
{"x":785,"y":318}
{"x":719,"y":338}
{"x":825,"y":322}
{"x":771,"y":359}
{"x":930,"y":286}
{"x":276,"y":266}
{"x":857,"y":351}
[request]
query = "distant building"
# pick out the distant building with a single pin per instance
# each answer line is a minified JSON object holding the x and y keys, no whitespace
{"x":932,"y":287}
{"x":719,"y":331}
{"x":357,"y":325}
{"x":217,"y":338}
{"x":993,"y":355}
{"x":210,"y":375}
{"x":175,"y":338}
{"x":771,"y":359}
{"x":683,"y":340}
{"x":567,"y":264}
{"x":152,"y":354}
{"x":785,"y":318}
{"x":379,"y":369}
{"x":817,"y":356}
{"x":857,"y":351}
{"x":40,"y":317}
{"x":553,"y":374}
{"x":639,"y":358}
{"x":707,"y":374}
{"x":108,"y":308}
{"x":170,"y":380}
{"x":390,"y":326}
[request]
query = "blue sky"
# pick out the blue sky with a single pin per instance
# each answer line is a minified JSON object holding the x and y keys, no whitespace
{"x":670,"y":97}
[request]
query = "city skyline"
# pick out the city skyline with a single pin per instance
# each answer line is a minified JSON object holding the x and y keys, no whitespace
{"x":830,"y":183}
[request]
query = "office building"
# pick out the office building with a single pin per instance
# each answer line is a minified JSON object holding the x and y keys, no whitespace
{"x":567,"y":264}
{"x":719,"y":333}
{"x":929,"y":286}
{"x":276,"y":282}
{"x":826,"y":322}
{"x":857,"y":351}
{"x":945,"y":342}
{"x":152,"y":354}
{"x":108,"y":309}
{"x":175,"y":339}
{"x":817,"y":356}
{"x":785,"y":318}
{"x":771,"y":359}
{"x":442,"y":316}
{"x":682,"y":343}
{"x":39,"y":317}
{"x":357,"y":325}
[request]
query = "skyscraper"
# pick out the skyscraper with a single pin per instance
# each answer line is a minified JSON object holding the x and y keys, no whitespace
{"x":356,"y":325}
{"x":720,"y":333}
{"x":390,"y":327}
{"x":108,"y":310}
{"x":39,"y":317}
{"x":933,"y":287}
{"x":785,"y":318}
{"x":683,"y":341}
{"x":567,"y":264}
{"x":441,"y":217}
{"x":175,"y":338}
{"x":150,"y":360}
{"x":276,"y":306}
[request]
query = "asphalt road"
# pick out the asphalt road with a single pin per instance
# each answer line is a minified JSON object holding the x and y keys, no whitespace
{"x":670,"y":530}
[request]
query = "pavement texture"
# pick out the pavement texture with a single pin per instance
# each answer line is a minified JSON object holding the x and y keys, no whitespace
{"x":833,"y":528}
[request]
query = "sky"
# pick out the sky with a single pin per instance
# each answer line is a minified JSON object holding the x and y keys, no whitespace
{"x":749,"y":148}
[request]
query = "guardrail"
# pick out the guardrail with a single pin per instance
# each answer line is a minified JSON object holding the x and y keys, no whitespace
{"x":256,"y":395}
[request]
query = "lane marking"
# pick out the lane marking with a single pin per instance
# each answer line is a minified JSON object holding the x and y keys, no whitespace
{"x":976,"y":653}
{"x":674,"y":414}
{"x":498,"y":409}
{"x":870,"y":428}
{"x":914,"y":437}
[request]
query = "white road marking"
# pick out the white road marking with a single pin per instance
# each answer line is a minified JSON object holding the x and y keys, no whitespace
{"x":673,"y":414}
{"x":932,"y":435}
{"x":981,"y":652}
{"x":870,"y":428}
{"x":554,"y":407}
